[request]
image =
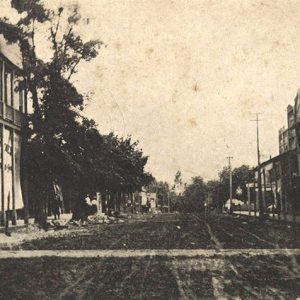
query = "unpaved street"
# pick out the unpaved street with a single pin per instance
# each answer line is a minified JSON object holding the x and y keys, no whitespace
{"x":158,"y":257}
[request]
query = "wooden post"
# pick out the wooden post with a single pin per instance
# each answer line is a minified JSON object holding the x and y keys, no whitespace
{"x":99,"y":203}
{"x":281,"y":190}
{"x":294,"y":198}
{"x":62,"y":201}
{"x":24,"y":169}
{"x":115,"y":201}
{"x":133,"y":203}
{"x":13,"y":74}
{"x":47,"y":210}
{"x":24,"y":180}
{"x":3,"y":217}
{"x":4,"y":90}
{"x":13,"y":191}
{"x":7,"y":214}
{"x":249,"y":199}
{"x":274,"y":199}
{"x":278,"y":205}
{"x":255,"y":202}
{"x":290,"y":189}
{"x":2,"y":93}
{"x":25,"y":199}
{"x":264,"y":191}
{"x":121,"y":202}
{"x":283,"y":195}
{"x":125,"y":195}
{"x":124,"y":202}
{"x":2,"y":80}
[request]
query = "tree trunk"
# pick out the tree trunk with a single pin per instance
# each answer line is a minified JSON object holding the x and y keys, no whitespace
{"x":40,"y":217}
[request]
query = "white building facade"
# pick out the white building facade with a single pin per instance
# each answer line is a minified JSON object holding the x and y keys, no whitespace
{"x":13,"y":108}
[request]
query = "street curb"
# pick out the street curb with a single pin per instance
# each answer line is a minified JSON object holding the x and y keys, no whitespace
{"x":184,"y":253}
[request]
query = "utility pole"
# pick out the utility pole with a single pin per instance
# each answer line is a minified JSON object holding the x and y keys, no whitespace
{"x":230,"y":181}
{"x":260,"y":202}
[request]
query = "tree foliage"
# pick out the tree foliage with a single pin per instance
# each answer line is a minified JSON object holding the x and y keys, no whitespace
{"x":63,"y":146}
{"x":162,"y":189}
{"x":178,"y":183}
{"x":217,"y":191}
{"x":240,"y":176}
{"x":194,"y":196}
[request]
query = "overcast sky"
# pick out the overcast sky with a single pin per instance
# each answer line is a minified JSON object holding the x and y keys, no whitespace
{"x":184,"y":77}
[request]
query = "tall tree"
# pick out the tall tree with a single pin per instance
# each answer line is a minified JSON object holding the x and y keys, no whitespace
{"x":63,"y":146}
{"x":194,"y":195}
{"x":214,"y":188}
{"x":178,"y":183}
{"x":56,"y":101}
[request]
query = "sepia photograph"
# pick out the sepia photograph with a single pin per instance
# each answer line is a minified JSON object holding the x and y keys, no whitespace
{"x":150,"y":149}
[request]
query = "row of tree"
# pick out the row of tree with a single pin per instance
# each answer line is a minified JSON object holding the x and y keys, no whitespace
{"x":191,"y":197}
{"x":60,"y":144}
{"x":219,"y":189}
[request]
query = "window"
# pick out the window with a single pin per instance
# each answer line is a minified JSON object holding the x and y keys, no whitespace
{"x":8,"y":91}
{"x":21,"y":96}
{"x":16,"y":87}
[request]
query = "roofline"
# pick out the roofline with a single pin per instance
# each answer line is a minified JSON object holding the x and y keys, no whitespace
{"x":276,"y":158}
{"x":7,"y":60}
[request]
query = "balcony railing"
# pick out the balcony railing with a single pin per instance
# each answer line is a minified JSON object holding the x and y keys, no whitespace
{"x":11,"y":115}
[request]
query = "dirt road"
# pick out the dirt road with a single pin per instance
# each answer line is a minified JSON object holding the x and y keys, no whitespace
{"x":165,"y":257}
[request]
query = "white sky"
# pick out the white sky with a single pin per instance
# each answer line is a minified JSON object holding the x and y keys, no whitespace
{"x":183,"y":77}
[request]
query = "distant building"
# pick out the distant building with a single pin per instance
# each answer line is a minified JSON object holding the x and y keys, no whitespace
{"x":283,"y":140}
{"x":279,"y":187}
{"x":280,"y":175}
{"x":147,"y":201}
{"x":288,"y":139}
{"x":13,"y":108}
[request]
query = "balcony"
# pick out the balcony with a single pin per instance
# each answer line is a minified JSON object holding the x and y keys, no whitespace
{"x":11,"y":115}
